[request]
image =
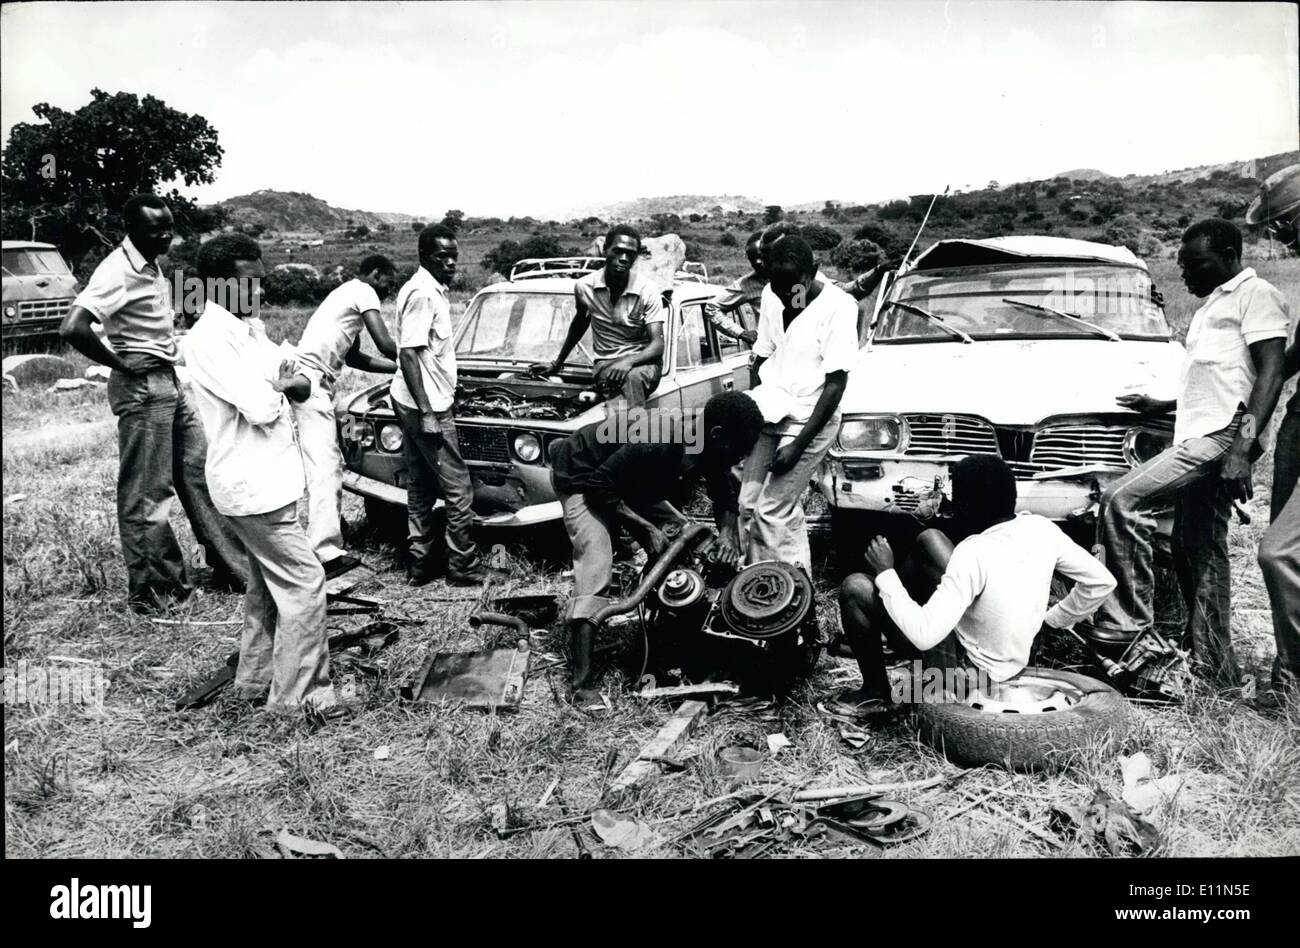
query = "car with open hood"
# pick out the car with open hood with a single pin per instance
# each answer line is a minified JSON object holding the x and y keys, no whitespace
{"x":1010,"y":346}
{"x":506,"y":419}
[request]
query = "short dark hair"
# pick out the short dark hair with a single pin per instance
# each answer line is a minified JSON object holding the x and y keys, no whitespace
{"x":984,"y":485}
{"x":430,"y":236}
{"x":774,"y":232}
{"x":737,"y":415}
{"x":131,"y":209}
{"x":376,"y":261}
{"x":622,"y":230}
{"x":754,"y":238}
{"x":794,"y":250}
{"x":216,"y":259}
{"x":1222,"y":235}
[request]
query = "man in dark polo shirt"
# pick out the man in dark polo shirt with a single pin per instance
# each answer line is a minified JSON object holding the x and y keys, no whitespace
{"x":611,"y":474}
{"x":161,"y":446}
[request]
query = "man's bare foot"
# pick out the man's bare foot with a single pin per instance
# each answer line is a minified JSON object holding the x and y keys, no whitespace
{"x":588,"y":699}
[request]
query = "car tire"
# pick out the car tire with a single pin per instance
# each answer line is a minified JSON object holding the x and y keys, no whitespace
{"x":1034,"y":741}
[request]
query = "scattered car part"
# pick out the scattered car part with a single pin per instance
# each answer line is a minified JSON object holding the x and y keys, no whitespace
{"x":371,"y":638}
{"x":575,"y":829}
{"x":1027,"y":723}
{"x":741,"y":764}
{"x":493,"y":679}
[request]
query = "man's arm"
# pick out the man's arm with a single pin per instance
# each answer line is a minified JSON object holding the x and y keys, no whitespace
{"x":827,"y":402}
{"x":865,"y":284}
{"x":718,"y":311}
{"x":229,"y":374}
{"x":926,"y":626}
{"x":368,"y":363}
{"x":1092,"y":584}
{"x":601,"y":490}
{"x":723,"y":493}
{"x":77,"y":331}
{"x":1268,"y":356}
{"x":577,"y":326}
{"x":378,"y":330}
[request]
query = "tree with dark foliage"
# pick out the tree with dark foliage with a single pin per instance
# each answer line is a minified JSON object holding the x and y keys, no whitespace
{"x":66,"y":178}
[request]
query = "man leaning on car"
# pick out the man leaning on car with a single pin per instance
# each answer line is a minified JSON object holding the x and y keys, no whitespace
{"x":1231,"y":378}
{"x":161,"y":445}
{"x":423,"y":393}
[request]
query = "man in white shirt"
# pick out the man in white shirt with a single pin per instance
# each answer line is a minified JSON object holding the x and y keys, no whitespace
{"x":807,"y":342}
{"x":423,"y":391}
{"x":984,"y":600}
{"x":1231,"y":379}
{"x":331,"y":340}
{"x":254,"y":472}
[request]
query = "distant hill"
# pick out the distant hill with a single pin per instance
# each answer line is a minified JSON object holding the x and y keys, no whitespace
{"x":1085,"y":174}
{"x":679,"y":204}
{"x":296,"y":212}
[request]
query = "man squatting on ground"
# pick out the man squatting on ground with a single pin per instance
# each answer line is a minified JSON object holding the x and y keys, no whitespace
{"x":331,"y":340}
{"x":807,"y":343}
{"x":1231,"y":379}
{"x":604,"y":481}
{"x":423,"y":392}
{"x":977,"y":605}
{"x":160,"y":440}
{"x":1278,"y":207}
{"x":255,"y":473}
{"x":626,"y":316}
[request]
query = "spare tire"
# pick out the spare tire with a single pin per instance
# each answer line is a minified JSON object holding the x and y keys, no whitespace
{"x":1032,"y":722}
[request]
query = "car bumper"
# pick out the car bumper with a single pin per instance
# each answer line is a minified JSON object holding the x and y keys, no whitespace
{"x":897,"y":485}
{"x":528,"y":516}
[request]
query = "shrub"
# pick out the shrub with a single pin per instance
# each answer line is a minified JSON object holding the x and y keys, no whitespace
{"x":883,"y":237}
{"x":728,"y":239}
{"x":857,"y":255}
{"x":820,"y":237}
{"x":507,"y":253}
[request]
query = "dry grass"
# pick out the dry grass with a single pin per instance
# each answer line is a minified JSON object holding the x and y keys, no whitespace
{"x":138,"y":779}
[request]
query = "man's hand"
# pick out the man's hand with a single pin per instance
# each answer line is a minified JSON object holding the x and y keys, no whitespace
{"x":288,"y":372}
{"x":727,"y":548}
{"x":429,"y":426}
{"x":787,"y":456}
{"x":653,"y":542}
{"x":614,"y":373}
{"x":1235,"y":474}
{"x":544,"y":368}
{"x":749,"y":336}
{"x":880,"y":556}
{"x":1143,"y":404}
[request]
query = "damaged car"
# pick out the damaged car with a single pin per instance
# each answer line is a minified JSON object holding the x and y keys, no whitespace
{"x":506,"y":419}
{"x":1010,"y":346}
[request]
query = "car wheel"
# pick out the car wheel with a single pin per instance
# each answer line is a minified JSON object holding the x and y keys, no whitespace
{"x":1033,"y":722}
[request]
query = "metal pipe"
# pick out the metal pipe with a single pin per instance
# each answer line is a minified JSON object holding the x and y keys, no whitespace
{"x":500,"y":618}
{"x":655,"y":575}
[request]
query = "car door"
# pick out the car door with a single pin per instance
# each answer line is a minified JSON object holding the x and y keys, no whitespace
{"x":702,"y":369}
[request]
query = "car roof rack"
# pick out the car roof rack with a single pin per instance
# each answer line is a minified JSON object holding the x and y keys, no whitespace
{"x":538,"y":267}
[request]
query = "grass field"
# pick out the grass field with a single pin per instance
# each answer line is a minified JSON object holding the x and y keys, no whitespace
{"x":135,"y":778}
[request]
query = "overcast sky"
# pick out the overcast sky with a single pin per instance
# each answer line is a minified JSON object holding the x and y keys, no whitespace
{"x":535,"y":108}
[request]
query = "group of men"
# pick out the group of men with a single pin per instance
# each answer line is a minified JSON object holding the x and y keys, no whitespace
{"x":259,"y":431}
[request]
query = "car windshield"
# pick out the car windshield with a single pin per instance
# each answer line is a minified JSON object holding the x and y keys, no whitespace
{"x":34,"y":262}
{"x":972,"y":299}
{"x":521,"y":327}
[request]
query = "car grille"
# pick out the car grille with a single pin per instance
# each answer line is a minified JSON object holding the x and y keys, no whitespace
{"x":44,"y":309}
{"x":1060,"y":446}
{"x":939,"y":435}
{"x":482,"y":444}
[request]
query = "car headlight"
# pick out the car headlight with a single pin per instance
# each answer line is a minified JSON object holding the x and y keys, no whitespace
{"x":390,"y":438}
{"x":879,"y":433}
{"x":1142,"y":444}
{"x":527,"y":447}
{"x":11,"y":311}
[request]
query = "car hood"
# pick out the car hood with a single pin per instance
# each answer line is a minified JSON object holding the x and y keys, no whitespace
{"x":376,"y":402}
{"x":1010,"y":381}
{"x":22,"y":288}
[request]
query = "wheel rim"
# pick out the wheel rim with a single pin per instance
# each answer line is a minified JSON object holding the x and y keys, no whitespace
{"x":1026,"y":694}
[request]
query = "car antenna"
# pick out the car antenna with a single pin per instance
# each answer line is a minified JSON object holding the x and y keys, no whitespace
{"x":907,"y":256}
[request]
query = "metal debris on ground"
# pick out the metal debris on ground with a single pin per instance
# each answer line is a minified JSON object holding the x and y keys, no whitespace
{"x":294,"y":847}
{"x":1119,"y":826}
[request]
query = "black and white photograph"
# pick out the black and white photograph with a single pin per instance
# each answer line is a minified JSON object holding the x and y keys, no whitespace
{"x":652,"y":430}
